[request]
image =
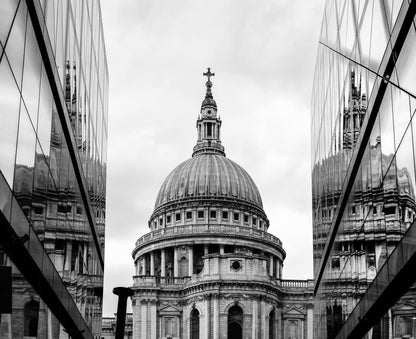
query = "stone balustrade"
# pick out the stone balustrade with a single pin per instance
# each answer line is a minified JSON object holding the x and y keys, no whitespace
{"x":151,"y":281}
{"x":154,"y":281}
{"x":214,"y":229}
{"x":301,"y":284}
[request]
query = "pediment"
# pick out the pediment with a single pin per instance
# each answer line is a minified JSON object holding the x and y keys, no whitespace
{"x":403,"y":307}
{"x":293,"y":312}
{"x":169,"y":308}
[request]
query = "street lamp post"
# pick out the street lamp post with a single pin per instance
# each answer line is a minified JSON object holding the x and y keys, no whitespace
{"x":123,"y":293}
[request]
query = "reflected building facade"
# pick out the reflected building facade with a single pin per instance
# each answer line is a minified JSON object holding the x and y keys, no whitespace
{"x":53,"y":104}
{"x":363,"y":171}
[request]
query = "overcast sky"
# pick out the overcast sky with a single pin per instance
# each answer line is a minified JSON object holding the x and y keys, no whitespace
{"x":263,"y":55}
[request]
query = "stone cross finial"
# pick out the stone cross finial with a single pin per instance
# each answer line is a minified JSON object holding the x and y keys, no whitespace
{"x":208,"y":74}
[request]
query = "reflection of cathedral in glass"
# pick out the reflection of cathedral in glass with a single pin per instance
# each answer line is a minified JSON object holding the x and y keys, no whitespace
{"x":209,"y":269}
{"x":379,"y":213}
{"x":53,"y":170}
{"x":363,"y":171}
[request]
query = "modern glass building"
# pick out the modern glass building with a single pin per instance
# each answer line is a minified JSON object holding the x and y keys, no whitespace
{"x":53,"y":141}
{"x":363,"y":171}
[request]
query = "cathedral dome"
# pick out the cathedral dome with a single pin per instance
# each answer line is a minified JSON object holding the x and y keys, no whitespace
{"x":212,"y":176}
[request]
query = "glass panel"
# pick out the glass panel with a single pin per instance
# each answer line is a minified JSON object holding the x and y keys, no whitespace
{"x":7,"y":12}
{"x":23,"y":177}
{"x":405,"y":72}
{"x":44,"y":122}
{"x":16,"y":43}
{"x":29,"y":316}
{"x":9,"y":115}
{"x":31,"y":75}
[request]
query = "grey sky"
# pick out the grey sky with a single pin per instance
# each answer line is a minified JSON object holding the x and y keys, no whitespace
{"x":263,"y":54}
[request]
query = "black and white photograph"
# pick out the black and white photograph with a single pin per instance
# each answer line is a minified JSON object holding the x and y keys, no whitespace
{"x":185,"y":169}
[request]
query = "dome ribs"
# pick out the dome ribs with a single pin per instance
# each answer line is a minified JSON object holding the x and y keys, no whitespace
{"x":216,"y":177}
{"x":183,"y":179}
{"x":209,"y":175}
{"x":235,"y":182}
{"x":223,"y":177}
{"x":193,"y":169}
{"x":201,"y":177}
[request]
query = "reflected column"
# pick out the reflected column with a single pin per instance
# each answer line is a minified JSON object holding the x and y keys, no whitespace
{"x":68,"y":256}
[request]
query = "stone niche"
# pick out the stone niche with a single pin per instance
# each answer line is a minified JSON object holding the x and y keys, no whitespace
{"x":169,"y":321}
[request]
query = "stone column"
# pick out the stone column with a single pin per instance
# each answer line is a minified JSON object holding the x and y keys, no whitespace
{"x":207,"y":317}
{"x":175,"y":262}
{"x":271,"y":265}
{"x":264,"y":331}
{"x":162,"y":263}
{"x":153,"y":318}
{"x":137,"y":314}
{"x":216,"y":317}
{"x":190,"y":261}
{"x":221,"y":249}
{"x":254,"y":328}
{"x":136,"y":265}
{"x":49,"y":315}
{"x":279,"y":319}
{"x":206,"y":250}
{"x":143,"y":324}
{"x":278,"y":269}
{"x":143,"y":263}
{"x":390,"y":324}
{"x":309,"y":324}
{"x":85,"y":258}
{"x":152,"y":264}
{"x":68,"y":255}
{"x":186,"y":326}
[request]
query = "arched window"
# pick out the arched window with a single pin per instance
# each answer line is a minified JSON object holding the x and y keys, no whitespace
{"x":272,"y":321}
{"x":31,"y":318}
{"x":194,"y":324}
{"x":235,"y":323}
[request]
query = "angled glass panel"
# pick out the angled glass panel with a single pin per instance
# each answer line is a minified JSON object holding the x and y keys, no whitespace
{"x":25,"y":159}
{"x":16,"y":44}
{"x":405,"y":73}
{"x":44,"y":122}
{"x":31,"y":75}
{"x":9,"y":119}
{"x":7,"y":12}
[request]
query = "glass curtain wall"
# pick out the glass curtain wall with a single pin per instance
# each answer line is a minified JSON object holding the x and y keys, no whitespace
{"x":53,"y":142}
{"x":363,"y":170}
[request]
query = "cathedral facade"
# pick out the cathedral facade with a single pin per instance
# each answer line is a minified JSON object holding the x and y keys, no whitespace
{"x":208,"y":268}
